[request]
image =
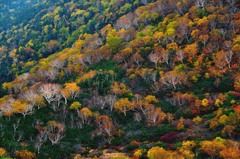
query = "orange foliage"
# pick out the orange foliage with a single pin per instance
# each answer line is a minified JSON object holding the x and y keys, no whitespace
{"x":87,"y":76}
{"x":25,"y":154}
{"x":105,"y":125}
{"x":120,"y":88}
{"x":3,"y":152}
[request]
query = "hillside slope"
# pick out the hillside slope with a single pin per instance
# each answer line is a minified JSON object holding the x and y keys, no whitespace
{"x":33,"y":29}
{"x":133,"y":79}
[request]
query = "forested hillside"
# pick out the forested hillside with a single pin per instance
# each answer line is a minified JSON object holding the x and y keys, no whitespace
{"x":34,"y":29}
{"x":120,"y":79}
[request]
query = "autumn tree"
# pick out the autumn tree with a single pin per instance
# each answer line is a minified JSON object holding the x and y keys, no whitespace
{"x":56,"y":131}
{"x":76,"y":106}
{"x":229,"y":130}
{"x":230,"y":152}
{"x":204,"y":39}
{"x":155,"y":116}
{"x":186,"y":149}
{"x":25,"y":154}
{"x":72,"y":89}
{"x":41,"y":137}
{"x":173,"y":78}
{"x":124,"y":22}
{"x":143,"y":106}
{"x":237,"y":83}
{"x":57,"y":64}
{"x":3,"y":152}
{"x":113,"y":41}
{"x":180,"y":124}
{"x":228,"y":55}
{"x":123,"y":56}
{"x":33,"y":98}
{"x":6,"y":106}
{"x":105,"y":125}
{"x":159,"y":36}
{"x":165,"y":56}
{"x":123,"y":105}
{"x":110,"y":100}
{"x":84,"y":115}
{"x":155,"y":58}
{"x":52,"y":46}
{"x":157,"y":153}
{"x":214,"y":147}
{"x":160,"y":153}
{"x":22,"y":107}
{"x":51,"y":92}
{"x":179,"y":99}
{"x":118,"y":88}
{"x":184,"y":28}
{"x":137,"y":58}
{"x":180,"y":55}
{"x":190,"y":51}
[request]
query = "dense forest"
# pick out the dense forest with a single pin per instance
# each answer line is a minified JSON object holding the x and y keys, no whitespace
{"x":120,"y":79}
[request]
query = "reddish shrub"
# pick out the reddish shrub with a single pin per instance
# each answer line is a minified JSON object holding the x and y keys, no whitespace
{"x":170,"y":137}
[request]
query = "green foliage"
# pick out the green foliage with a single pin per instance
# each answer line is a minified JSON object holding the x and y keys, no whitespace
{"x":114,"y":43}
{"x":103,"y":65}
{"x":202,"y":13}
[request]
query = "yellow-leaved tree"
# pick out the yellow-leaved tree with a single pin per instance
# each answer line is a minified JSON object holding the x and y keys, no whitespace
{"x":123,"y":105}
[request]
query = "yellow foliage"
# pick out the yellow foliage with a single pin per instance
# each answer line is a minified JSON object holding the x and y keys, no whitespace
{"x":78,"y":12}
{"x":87,"y":76}
{"x":56,"y":10}
{"x":86,"y":112}
{"x":218,"y":103}
{"x":170,"y":32}
{"x":160,"y":153}
{"x":191,"y":49}
{"x":207,"y":76}
{"x":72,"y":87}
{"x":3,"y":152}
{"x":25,"y":154}
{"x":205,"y":102}
{"x":223,"y":119}
{"x":203,"y":22}
{"x":237,"y":40}
{"x":123,"y":105}
{"x":29,"y":64}
{"x":75,"y":105}
{"x":195,"y":33}
{"x":111,"y":72}
{"x":188,"y":144}
{"x":232,"y":101}
{"x":187,"y":154}
{"x":7,"y":86}
{"x":151,"y":99}
{"x":78,"y":156}
{"x":197,"y":119}
{"x":172,"y":46}
{"x":194,"y":79}
{"x":180,"y":124}
{"x":19,"y":106}
{"x":159,"y":36}
{"x":157,"y":153}
{"x":138,"y":153}
{"x":214,"y":147}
